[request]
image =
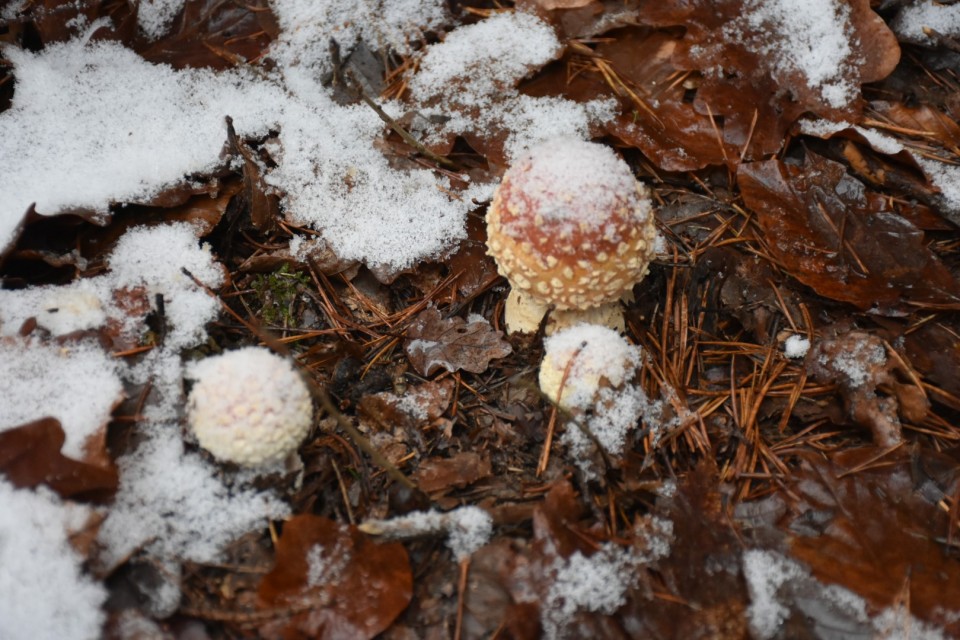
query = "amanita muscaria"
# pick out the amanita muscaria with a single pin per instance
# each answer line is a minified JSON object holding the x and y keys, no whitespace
{"x":573,"y":231}
{"x":249,"y":407}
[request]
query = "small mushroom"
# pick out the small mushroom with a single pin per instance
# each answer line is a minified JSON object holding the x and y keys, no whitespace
{"x":573,"y":231}
{"x":579,"y":362}
{"x":249,"y":407}
{"x":591,"y":372}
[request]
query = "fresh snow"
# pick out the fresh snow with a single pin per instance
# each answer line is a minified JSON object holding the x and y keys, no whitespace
{"x":155,"y":17}
{"x":599,"y":582}
{"x":78,"y":384}
{"x":468,"y":528}
{"x":914,"y":19}
{"x":93,"y":123}
{"x":45,"y":593}
{"x":469,"y":82}
{"x":811,"y":38}
{"x":796,"y":346}
{"x":176,"y":506}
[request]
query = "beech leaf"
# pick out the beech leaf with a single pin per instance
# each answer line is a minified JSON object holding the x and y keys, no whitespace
{"x":343,"y":585}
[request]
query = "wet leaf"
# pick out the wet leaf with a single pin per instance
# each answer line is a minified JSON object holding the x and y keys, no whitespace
{"x":452,"y":344}
{"x":437,"y":475}
{"x":217,"y":34}
{"x":841,"y":240}
{"x":872,"y":523}
{"x":264,"y":207}
{"x":30,"y":456}
{"x":340,"y":584}
{"x":472,"y":268}
{"x":753,"y":46}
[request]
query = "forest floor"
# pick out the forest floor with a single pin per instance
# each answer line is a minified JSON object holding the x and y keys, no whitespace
{"x":796,"y":473}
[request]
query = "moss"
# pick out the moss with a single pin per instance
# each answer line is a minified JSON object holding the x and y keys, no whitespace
{"x":278,"y":293}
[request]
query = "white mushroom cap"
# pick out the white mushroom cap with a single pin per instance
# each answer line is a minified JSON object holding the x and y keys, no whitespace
{"x":591,"y":371}
{"x":592,"y":358}
{"x":570,"y":227}
{"x":249,"y":407}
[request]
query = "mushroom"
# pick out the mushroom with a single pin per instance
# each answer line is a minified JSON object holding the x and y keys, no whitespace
{"x":591,"y":372}
{"x":572,"y":230}
{"x":249,"y":407}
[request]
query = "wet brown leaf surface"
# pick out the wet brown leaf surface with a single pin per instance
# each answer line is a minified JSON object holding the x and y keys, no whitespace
{"x":352,"y":588}
{"x":30,"y":456}
{"x":873,"y":521}
{"x":836,"y":237}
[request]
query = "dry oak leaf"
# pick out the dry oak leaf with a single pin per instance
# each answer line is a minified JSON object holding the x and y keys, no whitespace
{"x":337,"y":582}
{"x":835,"y":236}
{"x":452,"y":344}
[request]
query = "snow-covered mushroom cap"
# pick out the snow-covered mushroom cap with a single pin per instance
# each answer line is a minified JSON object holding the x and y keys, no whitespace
{"x":249,"y":407}
{"x":570,"y":228}
{"x":581,"y":360}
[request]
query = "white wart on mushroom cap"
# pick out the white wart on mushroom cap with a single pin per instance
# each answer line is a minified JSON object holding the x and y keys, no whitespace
{"x":570,"y":227}
{"x":249,"y":407}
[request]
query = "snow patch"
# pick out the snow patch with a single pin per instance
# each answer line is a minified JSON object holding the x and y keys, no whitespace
{"x":78,"y":384}
{"x":811,"y":38}
{"x":46,"y":593}
{"x":796,"y":346}
{"x":467,"y":528}
{"x":779,"y":585}
{"x":912,"y":22}
{"x":175,"y":505}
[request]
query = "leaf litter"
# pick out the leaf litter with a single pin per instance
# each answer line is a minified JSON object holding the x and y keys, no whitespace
{"x":194,"y":177}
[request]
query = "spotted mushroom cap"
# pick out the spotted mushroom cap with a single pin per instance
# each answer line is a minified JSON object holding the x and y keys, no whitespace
{"x":570,"y":226}
{"x":249,"y":407}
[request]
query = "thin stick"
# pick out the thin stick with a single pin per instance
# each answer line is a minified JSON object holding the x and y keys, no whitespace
{"x":461,"y":595}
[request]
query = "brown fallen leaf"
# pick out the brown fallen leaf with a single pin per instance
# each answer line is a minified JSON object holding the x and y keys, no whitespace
{"x":30,"y":456}
{"x":421,"y":406}
{"x":264,"y":207}
{"x":434,"y":343}
{"x":337,"y":582}
{"x":437,"y":475}
{"x":753,"y":66}
{"x":871,"y":521}
{"x":840,"y":239}
{"x":216,"y":34}
{"x":857,"y":362}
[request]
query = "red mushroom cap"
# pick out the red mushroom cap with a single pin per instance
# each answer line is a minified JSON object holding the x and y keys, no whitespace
{"x":570,"y":226}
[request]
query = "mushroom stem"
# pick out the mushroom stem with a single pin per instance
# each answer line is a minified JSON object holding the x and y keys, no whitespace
{"x":522,"y":313}
{"x":608,"y":315}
